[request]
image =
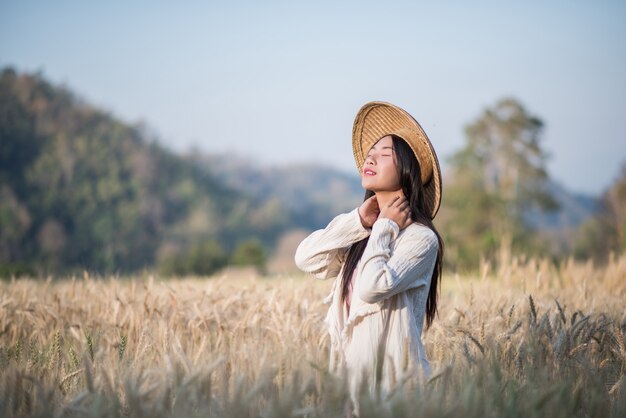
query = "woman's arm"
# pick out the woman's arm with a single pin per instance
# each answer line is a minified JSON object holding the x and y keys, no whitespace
{"x":322,"y":253}
{"x":411,"y":265}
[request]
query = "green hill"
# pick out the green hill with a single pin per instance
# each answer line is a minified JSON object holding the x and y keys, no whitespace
{"x":80,"y":189}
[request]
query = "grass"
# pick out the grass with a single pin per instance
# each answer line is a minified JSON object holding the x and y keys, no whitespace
{"x":530,"y":340}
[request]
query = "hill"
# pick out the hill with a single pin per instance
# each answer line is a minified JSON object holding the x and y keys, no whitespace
{"x":81,"y":189}
{"x":312,"y":193}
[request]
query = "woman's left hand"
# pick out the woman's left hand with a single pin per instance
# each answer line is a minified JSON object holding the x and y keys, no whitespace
{"x":397,"y":210}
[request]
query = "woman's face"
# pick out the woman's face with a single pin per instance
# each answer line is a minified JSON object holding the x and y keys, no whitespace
{"x":380,"y":172}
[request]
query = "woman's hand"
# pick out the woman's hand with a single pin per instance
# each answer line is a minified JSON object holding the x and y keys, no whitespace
{"x":369,"y":211}
{"x":398,"y":210}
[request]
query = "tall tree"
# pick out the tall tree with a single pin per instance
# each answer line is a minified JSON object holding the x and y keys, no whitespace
{"x":498,"y":175}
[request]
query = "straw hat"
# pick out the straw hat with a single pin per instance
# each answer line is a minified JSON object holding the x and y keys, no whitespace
{"x":378,"y":119}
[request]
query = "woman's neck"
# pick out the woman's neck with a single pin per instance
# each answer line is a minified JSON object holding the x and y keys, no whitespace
{"x":385,"y":197}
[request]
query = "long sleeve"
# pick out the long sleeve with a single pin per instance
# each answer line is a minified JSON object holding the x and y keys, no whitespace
{"x":323,"y":252}
{"x":409,"y":266}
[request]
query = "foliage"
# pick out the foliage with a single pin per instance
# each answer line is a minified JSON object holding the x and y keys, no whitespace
{"x":497,"y":176}
{"x":80,"y":189}
{"x":201,"y":259}
{"x":605,"y":233}
{"x":250,"y":253}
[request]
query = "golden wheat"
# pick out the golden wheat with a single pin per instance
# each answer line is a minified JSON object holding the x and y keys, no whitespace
{"x":533,"y":339}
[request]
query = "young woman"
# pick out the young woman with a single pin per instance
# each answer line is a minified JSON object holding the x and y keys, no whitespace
{"x":385,"y":255}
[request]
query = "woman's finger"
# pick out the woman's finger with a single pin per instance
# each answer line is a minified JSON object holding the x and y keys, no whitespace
{"x":395,"y":199}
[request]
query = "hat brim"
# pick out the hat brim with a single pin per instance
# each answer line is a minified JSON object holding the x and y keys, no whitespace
{"x":378,"y":119}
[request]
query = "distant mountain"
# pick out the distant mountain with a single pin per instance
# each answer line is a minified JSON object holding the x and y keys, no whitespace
{"x":574,"y":209}
{"x":312,"y":194}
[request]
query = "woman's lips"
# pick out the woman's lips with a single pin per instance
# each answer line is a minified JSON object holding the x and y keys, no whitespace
{"x":369,"y":172}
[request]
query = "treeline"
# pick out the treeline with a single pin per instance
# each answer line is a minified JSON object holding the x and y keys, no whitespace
{"x":80,"y":189}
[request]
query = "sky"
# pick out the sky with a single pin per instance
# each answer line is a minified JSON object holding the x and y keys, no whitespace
{"x":280,"y":82}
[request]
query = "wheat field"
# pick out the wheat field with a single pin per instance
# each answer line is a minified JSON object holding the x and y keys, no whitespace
{"x":533,"y":339}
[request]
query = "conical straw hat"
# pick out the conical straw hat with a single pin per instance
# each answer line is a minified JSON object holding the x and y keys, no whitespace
{"x":378,"y":119}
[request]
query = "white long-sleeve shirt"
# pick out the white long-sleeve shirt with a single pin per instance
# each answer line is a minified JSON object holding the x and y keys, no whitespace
{"x":388,"y":302}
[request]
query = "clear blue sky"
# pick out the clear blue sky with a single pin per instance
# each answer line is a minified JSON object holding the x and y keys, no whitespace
{"x":280,"y":81}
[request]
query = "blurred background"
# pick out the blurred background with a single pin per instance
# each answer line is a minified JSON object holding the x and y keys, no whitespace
{"x":188,"y":138}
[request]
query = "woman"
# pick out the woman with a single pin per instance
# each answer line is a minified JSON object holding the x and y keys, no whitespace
{"x":385,"y":255}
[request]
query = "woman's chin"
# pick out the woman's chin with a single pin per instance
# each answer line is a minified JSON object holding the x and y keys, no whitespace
{"x":367,"y":185}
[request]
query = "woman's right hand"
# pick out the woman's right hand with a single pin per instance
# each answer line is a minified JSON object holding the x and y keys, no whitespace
{"x":369,"y":212}
{"x":399,"y":211}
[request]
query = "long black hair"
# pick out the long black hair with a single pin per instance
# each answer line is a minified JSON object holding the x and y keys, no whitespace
{"x":410,"y":181}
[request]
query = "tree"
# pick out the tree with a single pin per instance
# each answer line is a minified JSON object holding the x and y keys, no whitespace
{"x":200,"y":259}
{"x":497,"y":176}
{"x":250,"y":252}
{"x":605,"y":232}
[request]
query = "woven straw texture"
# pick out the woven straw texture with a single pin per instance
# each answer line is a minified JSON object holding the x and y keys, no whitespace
{"x":378,"y":119}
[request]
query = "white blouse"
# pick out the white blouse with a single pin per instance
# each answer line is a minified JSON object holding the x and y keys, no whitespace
{"x":388,"y":302}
